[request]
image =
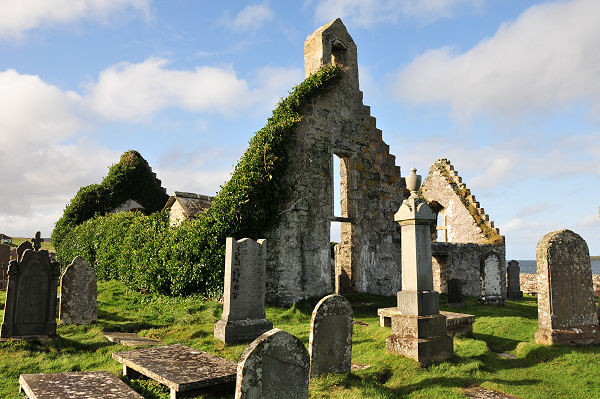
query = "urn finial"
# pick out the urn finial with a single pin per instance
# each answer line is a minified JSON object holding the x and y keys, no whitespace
{"x":413,"y":182}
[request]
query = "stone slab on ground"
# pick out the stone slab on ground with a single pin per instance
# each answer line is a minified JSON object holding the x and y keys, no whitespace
{"x":76,"y":385}
{"x":129,"y":339}
{"x":456,"y":323}
{"x":181,"y":368}
{"x":478,"y":392}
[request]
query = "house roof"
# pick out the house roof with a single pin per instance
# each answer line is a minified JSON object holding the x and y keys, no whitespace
{"x":192,"y":204}
{"x":4,"y":236}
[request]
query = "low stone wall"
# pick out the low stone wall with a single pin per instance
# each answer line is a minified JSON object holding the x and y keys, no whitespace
{"x":529,"y":283}
{"x":463,"y":261}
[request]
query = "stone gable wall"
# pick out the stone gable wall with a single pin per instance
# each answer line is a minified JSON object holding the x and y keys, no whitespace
{"x":368,"y":258}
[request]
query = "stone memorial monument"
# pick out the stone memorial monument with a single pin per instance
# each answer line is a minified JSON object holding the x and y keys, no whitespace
{"x":274,"y":366}
{"x":514,"y":280}
{"x":566,"y":308}
{"x":418,"y":331}
{"x":455,"y":293}
{"x":78,"y":294}
{"x":243,"y":317}
{"x":330,"y":343}
{"x":25,"y":245}
{"x":30,"y":308}
{"x":492,"y":271}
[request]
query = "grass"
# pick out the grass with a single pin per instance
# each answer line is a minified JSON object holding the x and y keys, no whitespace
{"x":537,"y":371}
{"x":16,"y":241}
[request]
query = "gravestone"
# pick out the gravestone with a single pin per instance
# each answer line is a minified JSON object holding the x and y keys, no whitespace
{"x":330,"y":342}
{"x":80,"y":384}
{"x":185,"y":371}
{"x":418,"y":330}
{"x":491,"y":284}
{"x":30,"y":309}
{"x":455,"y":293}
{"x":514,"y":280}
{"x":566,"y":308}
{"x":25,"y":245}
{"x":243,"y":317}
{"x":78,"y":293}
{"x":274,"y":366}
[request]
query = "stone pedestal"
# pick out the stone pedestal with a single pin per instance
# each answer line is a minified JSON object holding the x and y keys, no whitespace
{"x":422,"y":338}
{"x":418,"y":330}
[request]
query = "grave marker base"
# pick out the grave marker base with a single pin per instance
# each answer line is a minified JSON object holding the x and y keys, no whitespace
{"x":585,"y":335}
{"x":234,"y":331}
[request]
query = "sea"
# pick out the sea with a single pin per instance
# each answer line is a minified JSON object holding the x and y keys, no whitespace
{"x":528,"y":266}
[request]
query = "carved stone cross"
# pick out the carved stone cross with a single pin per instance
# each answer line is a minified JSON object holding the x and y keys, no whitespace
{"x":37,"y":241}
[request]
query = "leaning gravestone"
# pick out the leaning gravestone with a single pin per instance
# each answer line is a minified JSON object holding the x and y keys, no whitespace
{"x":566,"y":310}
{"x":514,"y":280}
{"x":243,"y":317}
{"x":274,"y":366}
{"x":30,"y":308}
{"x":78,"y":294}
{"x":491,"y":284}
{"x":330,"y":344}
{"x":455,"y":293}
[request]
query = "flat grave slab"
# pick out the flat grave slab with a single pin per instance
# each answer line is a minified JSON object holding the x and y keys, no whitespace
{"x":181,"y":368}
{"x":456,"y":323}
{"x":129,"y":339}
{"x":76,"y":385}
{"x":477,"y":392}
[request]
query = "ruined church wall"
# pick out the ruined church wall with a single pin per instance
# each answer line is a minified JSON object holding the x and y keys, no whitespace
{"x":298,"y":260}
{"x":461,"y":226}
{"x":462,"y":261}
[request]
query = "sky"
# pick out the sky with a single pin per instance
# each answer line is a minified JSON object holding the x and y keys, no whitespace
{"x":508,"y":91}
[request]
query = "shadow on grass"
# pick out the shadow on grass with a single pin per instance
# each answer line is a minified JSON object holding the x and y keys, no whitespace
{"x":112,"y":322}
{"x":61,"y":344}
{"x":497,"y":344}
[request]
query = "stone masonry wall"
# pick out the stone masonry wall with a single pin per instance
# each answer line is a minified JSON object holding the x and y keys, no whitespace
{"x":529,"y":283}
{"x":462,"y":261}
{"x":466,"y":221}
{"x":368,"y":258}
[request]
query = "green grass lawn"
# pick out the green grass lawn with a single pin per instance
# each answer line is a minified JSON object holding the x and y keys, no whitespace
{"x":537,"y":372}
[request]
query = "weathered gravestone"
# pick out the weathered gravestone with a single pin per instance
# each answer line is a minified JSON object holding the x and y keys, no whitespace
{"x":418,"y":330}
{"x":80,"y":385}
{"x":25,"y":245}
{"x":455,"y":293}
{"x":514,"y":280}
{"x":330,"y":344}
{"x":274,"y":366}
{"x":243,"y":317}
{"x":78,"y":293}
{"x":491,"y":284}
{"x":30,"y":308}
{"x":566,"y":309}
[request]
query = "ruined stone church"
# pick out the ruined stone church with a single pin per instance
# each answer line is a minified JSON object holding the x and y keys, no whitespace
{"x":367,"y":259}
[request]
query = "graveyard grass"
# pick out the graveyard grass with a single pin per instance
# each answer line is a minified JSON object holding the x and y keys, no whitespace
{"x":536,"y":372}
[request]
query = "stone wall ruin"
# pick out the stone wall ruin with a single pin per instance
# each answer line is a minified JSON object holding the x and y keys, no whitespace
{"x":368,"y":257}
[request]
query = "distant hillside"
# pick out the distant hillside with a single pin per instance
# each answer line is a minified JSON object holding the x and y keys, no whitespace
{"x":595,"y":257}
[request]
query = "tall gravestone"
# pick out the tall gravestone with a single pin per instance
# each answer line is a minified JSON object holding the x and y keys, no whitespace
{"x":78,"y":294}
{"x":491,"y":270}
{"x":243,"y":317}
{"x":455,"y":293}
{"x":274,"y":366}
{"x":330,"y":342}
{"x":566,"y":308}
{"x":419,"y":330}
{"x":514,"y":280}
{"x":30,"y":307}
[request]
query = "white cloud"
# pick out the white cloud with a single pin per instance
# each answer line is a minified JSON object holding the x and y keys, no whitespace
{"x":40,"y":172}
{"x":251,"y":18}
{"x":137,"y":91}
{"x":369,"y":12}
{"x":546,"y":59}
{"x":17,"y":17}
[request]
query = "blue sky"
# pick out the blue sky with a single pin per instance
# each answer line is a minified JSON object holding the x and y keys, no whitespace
{"x":509,"y":91}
